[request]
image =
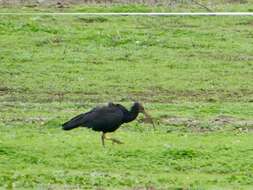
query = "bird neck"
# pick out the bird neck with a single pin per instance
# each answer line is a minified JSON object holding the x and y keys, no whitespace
{"x":132,"y":114}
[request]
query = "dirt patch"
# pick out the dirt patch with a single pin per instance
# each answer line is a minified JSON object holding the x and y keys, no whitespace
{"x":211,"y":124}
{"x":223,"y":120}
{"x":179,"y":121}
{"x":40,"y":120}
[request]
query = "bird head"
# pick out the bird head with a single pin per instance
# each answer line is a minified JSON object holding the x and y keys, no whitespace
{"x":142,"y":110}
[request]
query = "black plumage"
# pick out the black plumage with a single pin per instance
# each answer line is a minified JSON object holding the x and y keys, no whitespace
{"x":106,"y":118}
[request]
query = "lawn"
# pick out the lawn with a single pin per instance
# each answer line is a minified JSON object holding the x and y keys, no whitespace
{"x":194,"y":75}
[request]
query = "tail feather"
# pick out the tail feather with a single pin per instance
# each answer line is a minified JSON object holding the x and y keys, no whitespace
{"x":74,"y":122}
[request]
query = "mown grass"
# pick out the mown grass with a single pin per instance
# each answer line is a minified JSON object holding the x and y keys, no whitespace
{"x":193,"y":74}
{"x":51,"y":157}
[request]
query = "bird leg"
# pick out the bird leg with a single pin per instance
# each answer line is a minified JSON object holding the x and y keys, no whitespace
{"x":103,"y":137}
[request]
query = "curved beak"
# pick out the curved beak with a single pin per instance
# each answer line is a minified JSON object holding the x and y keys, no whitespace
{"x":148,"y":118}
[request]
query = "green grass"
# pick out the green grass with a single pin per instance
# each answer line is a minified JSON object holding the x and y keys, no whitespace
{"x":165,"y":160}
{"x":193,"y":75}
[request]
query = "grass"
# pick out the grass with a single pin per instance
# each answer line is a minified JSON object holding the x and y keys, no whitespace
{"x":193,"y":74}
{"x":52,"y":157}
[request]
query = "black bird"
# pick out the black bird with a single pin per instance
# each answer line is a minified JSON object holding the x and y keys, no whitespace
{"x":106,"y":119}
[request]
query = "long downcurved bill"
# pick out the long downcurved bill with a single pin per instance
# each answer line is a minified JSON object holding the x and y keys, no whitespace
{"x":148,"y":118}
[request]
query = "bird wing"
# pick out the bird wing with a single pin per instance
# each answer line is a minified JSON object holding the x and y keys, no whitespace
{"x":74,"y":122}
{"x":104,"y":118}
{"x":99,"y":119}
{"x":78,"y":120}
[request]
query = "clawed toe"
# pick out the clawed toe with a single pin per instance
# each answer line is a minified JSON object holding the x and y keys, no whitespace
{"x":117,"y":141}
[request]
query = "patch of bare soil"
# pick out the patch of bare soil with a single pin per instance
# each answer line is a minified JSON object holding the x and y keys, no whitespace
{"x":222,"y":120}
{"x":40,"y":120}
{"x":179,"y":121}
{"x":215,"y":123}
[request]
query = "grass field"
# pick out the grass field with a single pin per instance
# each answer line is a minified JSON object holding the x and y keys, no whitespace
{"x":193,"y":74}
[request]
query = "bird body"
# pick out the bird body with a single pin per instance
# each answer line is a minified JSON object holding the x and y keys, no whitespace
{"x":105,"y":119}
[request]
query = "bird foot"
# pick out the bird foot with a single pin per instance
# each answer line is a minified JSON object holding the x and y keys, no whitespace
{"x":116,"y":141}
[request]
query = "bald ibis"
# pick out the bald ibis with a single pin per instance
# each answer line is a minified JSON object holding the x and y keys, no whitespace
{"x":107,"y":119}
